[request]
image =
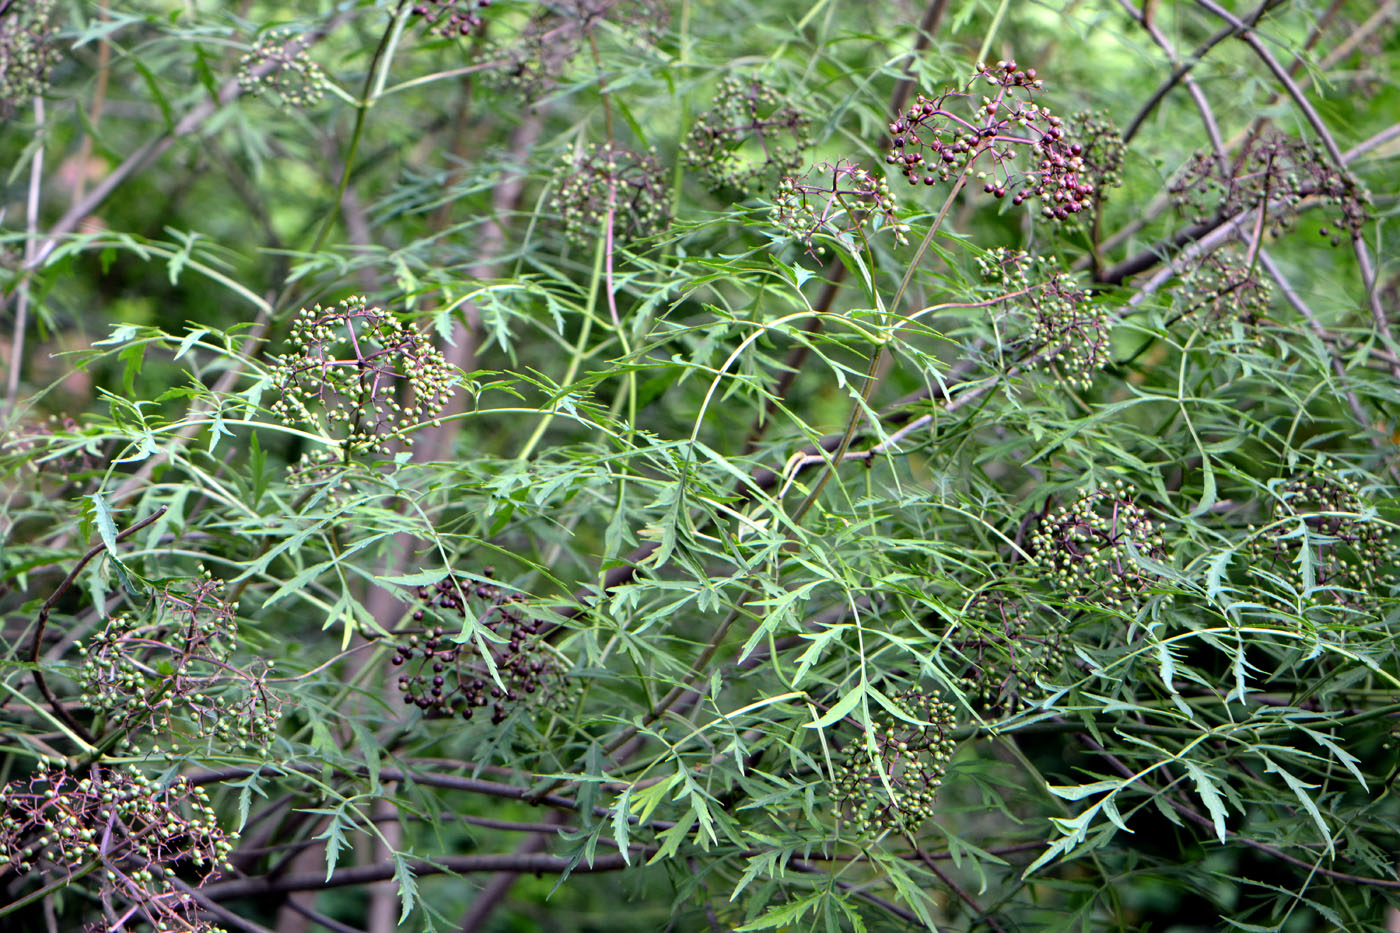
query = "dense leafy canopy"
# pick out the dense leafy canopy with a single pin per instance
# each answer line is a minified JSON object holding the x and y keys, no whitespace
{"x":793,"y":465}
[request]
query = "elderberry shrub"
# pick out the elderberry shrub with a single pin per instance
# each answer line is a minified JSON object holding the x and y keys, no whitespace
{"x":26,"y":52}
{"x":443,"y":677}
{"x":166,"y":676}
{"x":1275,"y":173}
{"x":948,"y":136}
{"x":608,"y":178}
{"x":1012,"y":658}
{"x":1059,"y":324}
{"x":1085,"y":550}
{"x":835,"y":200}
{"x":278,"y":64}
{"x":893,"y":788}
{"x":749,"y":138}
{"x":1323,"y":541}
{"x":149,"y":841}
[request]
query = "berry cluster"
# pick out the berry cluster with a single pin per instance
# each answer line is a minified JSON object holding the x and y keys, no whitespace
{"x":170,"y":675}
{"x":1085,"y":550}
{"x":910,"y":759}
{"x":451,"y":19}
{"x":835,"y":199}
{"x":139,"y":832}
{"x":278,"y":63}
{"x":607,"y":178}
{"x":555,"y":35}
{"x":1274,"y":173}
{"x":1223,"y":289}
{"x":447,"y":678}
{"x":349,"y":364}
{"x":1102,"y":149}
{"x":930,"y":142}
{"x":1063,"y":327}
{"x":26,"y":52}
{"x":1010,"y":661}
{"x":1348,"y":553}
{"x":748,"y":136}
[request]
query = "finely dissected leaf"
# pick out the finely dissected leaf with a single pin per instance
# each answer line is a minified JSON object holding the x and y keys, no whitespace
{"x":1300,"y":790}
{"x":1210,"y":796}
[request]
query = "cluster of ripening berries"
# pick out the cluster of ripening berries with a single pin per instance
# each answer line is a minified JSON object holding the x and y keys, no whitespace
{"x":361,"y":376}
{"x":278,"y":63}
{"x":909,"y":759}
{"x":171,"y":675}
{"x":748,"y":139}
{"x":1222,"y":290}
{"x":452,"y":19}
{"x":1010,"y":662}
{"x":26,"y":52}
{"x":1085,"y":550}
{"x":1276,"y":173}
{"x":607,"y":179}
{"x":835,"y":199}
{"x":930,"y":142}
{"x":141,"y":833}
{"x":1062,"y":326}
{"x":446,"y":678}
{"x":1351,"y":554}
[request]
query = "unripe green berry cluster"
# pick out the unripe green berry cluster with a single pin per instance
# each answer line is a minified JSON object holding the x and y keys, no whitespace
{"x":1222,"y":289}
{"x":452,"y":19}
{"x":1061,"y":325}
{"x":835,"y":199}
{"x":140,"y":832}
{"x":1011,"y":660}
{"x":1103,"y":149}
{"x":748,"y":139}
{"x":169,"y":676}
{"x":909,"y":759}
{"x":278,"y":63}
{"x":607,"y":179}
{"x":360,"y":376}
{"x":26,"y":52}
{"x":933,"y":141}
{"x":1277,"y":173}
{"x":446,"y":678}
{"x":1085,"y":550}
{"x":1351,"y":555}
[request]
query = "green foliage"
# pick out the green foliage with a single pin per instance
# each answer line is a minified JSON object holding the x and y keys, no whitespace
{"x":614,"y":464}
